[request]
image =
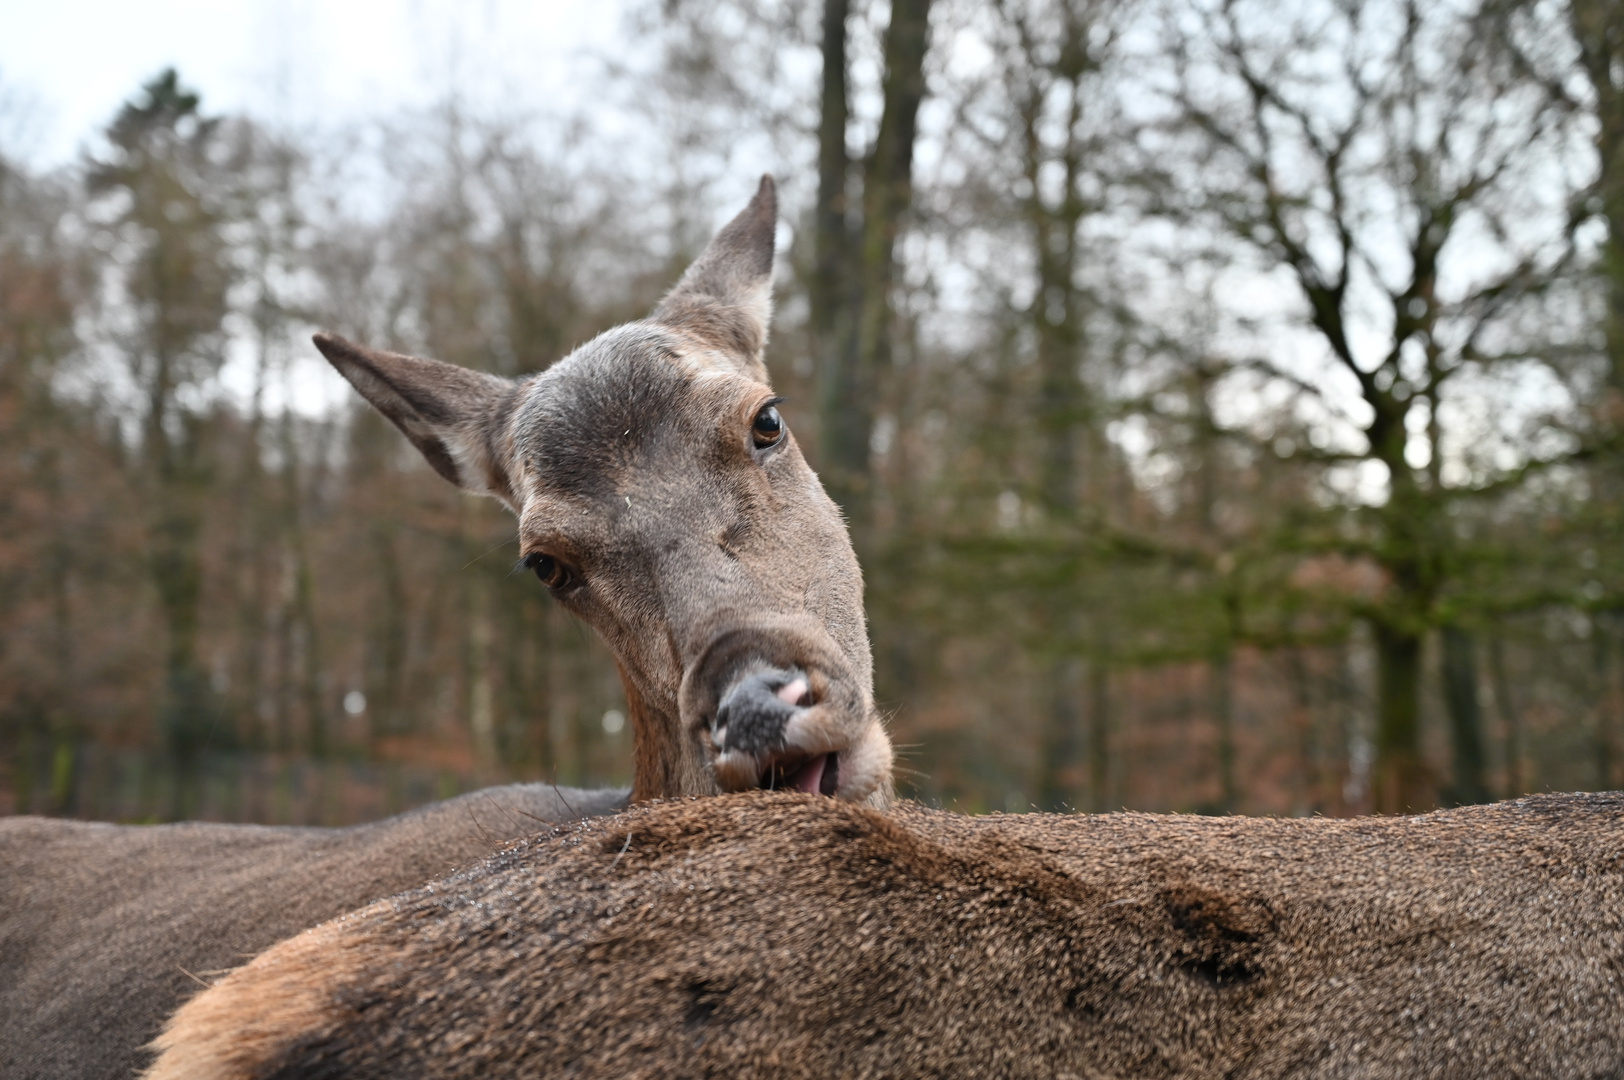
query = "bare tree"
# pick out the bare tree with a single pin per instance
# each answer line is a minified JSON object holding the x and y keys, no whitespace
{"x":161,"y":178}
{"x":1598,"y":29}
{"x":856,"y":259}
{"x":1381,"y":156}
{"x":42,"y":441}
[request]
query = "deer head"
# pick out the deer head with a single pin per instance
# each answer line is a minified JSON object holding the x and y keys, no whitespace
{"x":662,"y":499}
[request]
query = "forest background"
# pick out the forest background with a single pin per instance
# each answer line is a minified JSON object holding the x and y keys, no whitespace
{"x":1226,"y":399}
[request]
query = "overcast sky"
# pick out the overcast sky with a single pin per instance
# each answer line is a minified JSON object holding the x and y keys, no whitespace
{"x":67,"y":65}
{"x":70,"y":63}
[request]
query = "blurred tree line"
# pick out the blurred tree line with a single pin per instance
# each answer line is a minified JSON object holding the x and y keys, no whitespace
{"x":1226,"y":399}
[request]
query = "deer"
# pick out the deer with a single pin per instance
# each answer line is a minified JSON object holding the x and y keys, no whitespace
{"x":105,"y":929}
{"x":778,"y":934}
{"x":661,"y":497}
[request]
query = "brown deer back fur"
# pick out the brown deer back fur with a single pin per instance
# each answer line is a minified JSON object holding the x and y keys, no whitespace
{"x":106,"y":929}
{"x":777,"y":935}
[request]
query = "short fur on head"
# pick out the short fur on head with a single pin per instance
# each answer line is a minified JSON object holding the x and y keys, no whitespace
{"x":663,"y":502}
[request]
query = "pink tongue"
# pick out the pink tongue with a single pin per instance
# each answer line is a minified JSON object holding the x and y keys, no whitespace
{"x":793,"y":691}
{"x":810,"y":775}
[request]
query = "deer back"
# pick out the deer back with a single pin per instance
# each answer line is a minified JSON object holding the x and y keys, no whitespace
{"x":106,"y":929}
{"x":779,"y":935}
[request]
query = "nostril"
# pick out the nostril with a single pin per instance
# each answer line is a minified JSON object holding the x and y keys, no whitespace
{"x":795,"y":692}
{"x":753,"y":714}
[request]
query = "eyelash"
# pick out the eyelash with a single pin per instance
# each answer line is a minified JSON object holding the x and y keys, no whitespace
{"x":548,"y":570}
{"x":776,"y":436}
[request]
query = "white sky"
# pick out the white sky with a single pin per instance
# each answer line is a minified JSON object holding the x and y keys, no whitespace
{"x":66,"y":67}
{"x":299,"y":63}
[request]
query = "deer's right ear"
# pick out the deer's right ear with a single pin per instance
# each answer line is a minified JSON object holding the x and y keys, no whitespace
{"x":457,"y":418}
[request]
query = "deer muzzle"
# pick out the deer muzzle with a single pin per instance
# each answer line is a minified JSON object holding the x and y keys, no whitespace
{"x":776,"y":705}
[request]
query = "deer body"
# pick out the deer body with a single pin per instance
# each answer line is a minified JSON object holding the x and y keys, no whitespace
{"x":774,"y":935}
{"x":106,"y":929}
{"x":661,"y":499}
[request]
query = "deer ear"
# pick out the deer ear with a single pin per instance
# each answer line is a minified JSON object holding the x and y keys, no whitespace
{"x":726,"y":295}
{"x":457,"y":418}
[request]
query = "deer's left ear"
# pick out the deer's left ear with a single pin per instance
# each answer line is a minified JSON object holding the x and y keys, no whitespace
{"x":726,"y":296}
{"x":458,"y":419}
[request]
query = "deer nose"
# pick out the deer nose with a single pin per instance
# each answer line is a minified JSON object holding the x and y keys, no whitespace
{"x":775,"y":703}
{"x":755,"y":711}
{"x":754,"y":732}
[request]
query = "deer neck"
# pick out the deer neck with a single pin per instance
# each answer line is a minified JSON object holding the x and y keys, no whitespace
{"x":666,"y":762}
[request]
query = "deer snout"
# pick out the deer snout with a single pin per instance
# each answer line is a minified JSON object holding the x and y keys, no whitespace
{"x":776,"y":706}
{"x":756,"y":745}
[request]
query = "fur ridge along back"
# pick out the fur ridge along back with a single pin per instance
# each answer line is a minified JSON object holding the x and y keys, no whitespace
{"x":781,"y":935}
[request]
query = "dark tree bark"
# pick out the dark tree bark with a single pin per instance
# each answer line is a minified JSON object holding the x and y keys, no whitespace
{"x":1400,"y":783}
{"x":1223,"y":709}
{"x":850,"y":381}
{"x":1598,"y":26}
{"x":1510,"y":718}
{"x":1602,"y":733}
{"x":1036,"y":81}
{"x":302,"y":614}
{"x":834,"y":298}
{"x":1061,"y":742}
{"x":1099,"y":738}
{"x":1465,"y":716}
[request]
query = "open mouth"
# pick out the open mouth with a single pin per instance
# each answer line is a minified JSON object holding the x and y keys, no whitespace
{"x":817,"y":774}
{"x":752,"y":732}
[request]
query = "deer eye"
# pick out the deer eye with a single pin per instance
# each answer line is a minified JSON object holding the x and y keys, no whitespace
{"x":768,"y":427}
{"x":552,"y":573}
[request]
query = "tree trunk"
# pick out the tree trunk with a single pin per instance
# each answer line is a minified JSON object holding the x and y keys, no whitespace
{"x":1400,"y":784}
{"x":257,"y":549}
{"x":1603,"y":734}
{"x":851,"y":384}
{"x":177,"y":574}
{"x":1310,"y":799}
{"x":304,"y":600}
{"x":1055,"y":317}
{"x":1510,"y":718}
{"x":1099,"y":737}
{"x":1465,"y":716}
{"x":834,"y":298}
{"x":1061,"y":743}
{"x":63,"y":719}
{"x":1598,"y":27}
{"x":1222,"y":671}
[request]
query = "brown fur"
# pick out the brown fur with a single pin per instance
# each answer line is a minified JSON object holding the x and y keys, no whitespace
{"x":771,"y":935}
{"x":291,"y":993}
{"x":699,"y":556}
{"x":106,"y":929}
{"x":700,"y":561}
